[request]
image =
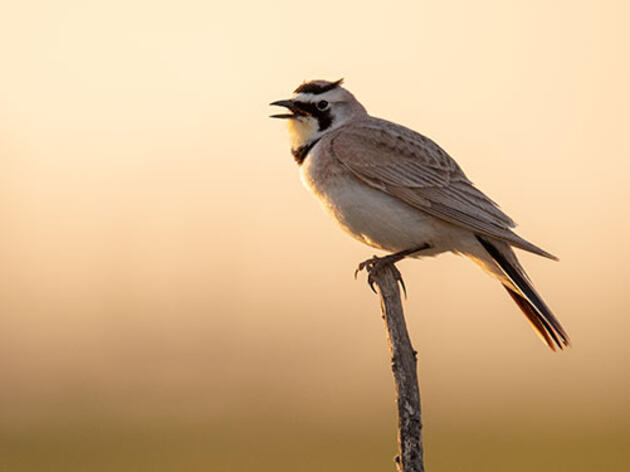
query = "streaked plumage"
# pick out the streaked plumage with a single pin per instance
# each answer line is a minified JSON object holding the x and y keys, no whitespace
{"x":395,"y":190}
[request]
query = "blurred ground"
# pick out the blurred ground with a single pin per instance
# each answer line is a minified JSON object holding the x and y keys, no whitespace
{"x":272,"y":445}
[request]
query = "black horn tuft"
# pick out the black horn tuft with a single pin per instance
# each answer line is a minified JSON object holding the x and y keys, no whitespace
{"x":318,"y":86}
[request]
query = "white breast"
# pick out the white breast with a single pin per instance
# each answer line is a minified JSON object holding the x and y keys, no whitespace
{"x":368,"y":214}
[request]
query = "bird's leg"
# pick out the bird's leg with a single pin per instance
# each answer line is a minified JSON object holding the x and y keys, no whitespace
{"x":376,"y":263}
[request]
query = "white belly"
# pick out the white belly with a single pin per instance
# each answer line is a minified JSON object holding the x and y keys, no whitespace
{"x":375,"y":218}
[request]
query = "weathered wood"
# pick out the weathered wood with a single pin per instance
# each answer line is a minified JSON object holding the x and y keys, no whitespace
{"x":410,"y":452}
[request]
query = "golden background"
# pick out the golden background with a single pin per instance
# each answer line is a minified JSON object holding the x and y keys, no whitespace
{"x":172,"y":299}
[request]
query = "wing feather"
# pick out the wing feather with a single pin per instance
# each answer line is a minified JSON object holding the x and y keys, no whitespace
{"x":414,"y":169}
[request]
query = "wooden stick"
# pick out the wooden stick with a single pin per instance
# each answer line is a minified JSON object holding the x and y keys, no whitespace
{"x":410,"y":452}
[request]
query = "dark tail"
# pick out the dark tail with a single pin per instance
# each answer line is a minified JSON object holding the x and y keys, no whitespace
{"x":528,"y":300}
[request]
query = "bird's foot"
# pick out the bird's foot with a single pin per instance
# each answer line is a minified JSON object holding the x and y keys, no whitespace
{"x":374,"y":264}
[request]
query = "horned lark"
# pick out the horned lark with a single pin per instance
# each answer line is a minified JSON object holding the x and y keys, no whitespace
{"x":396,"y":190}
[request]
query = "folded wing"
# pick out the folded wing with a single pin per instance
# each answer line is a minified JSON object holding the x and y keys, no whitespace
{"x":414,"y":169}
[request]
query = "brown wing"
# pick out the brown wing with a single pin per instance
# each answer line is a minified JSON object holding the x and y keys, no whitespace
{"x":414,"y":169}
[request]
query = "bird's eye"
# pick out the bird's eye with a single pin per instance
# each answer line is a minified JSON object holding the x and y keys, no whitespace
{"x":322,"y":104}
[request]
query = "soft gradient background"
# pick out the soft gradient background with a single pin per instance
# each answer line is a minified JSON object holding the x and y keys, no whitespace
{"x":173,"y":300}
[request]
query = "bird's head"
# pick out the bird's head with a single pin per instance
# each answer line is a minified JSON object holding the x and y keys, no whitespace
{"x":316,"y":108}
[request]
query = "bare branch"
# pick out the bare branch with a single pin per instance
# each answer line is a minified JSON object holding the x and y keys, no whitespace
{"x":410,"y":452}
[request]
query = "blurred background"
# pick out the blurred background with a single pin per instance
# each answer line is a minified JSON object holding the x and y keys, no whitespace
{"x":172,"y":299}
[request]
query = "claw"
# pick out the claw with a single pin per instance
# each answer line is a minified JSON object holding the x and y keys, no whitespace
{"x":365,"y":264}
{"x":374,"y":264}
{"x":371,"y":283}
{"x":400,"y":280}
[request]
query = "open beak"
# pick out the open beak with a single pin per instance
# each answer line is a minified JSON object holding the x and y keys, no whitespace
{"x":287,"y":104}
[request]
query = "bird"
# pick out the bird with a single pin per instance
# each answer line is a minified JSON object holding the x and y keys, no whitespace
{"x":397,"y":190}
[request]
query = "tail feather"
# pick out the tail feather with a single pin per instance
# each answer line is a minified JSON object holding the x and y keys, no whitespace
{"x":540,"y":326}
{"x":528,"y":300}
